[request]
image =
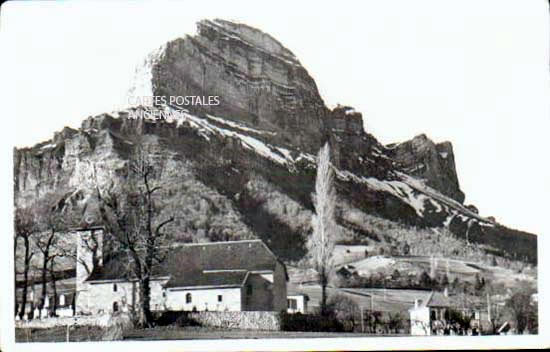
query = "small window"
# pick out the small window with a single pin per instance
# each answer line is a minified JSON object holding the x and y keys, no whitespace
{"x":220,"y":298}
{"x":249,"y":289}
{"x":115,"y":288}
{"x":292,"y":303}
{"x":115,"y":306}
{"x":188,"y":298}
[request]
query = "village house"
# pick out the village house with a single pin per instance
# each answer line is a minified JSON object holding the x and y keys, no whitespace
{"x":218,"y":276}
{"x":429,"y":314}
{"x":297,"y":303}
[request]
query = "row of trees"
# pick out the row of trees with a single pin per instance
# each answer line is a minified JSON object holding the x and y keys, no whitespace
{"x":38,"y":246}
{"x":409,"y":281}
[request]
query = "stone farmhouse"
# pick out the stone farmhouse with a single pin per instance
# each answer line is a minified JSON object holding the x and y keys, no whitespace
{"x":218,"y":276}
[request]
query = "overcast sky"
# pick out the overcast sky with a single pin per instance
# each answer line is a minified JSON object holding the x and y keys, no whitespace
{"x":471,"y":72}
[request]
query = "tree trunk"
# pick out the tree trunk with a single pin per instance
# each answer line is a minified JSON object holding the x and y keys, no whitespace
{"x":54,"y":289}
{"x":44,"y":278}
{"x":25,"y":277}
{"x":144,"y":310}
{"x":323,"y":293}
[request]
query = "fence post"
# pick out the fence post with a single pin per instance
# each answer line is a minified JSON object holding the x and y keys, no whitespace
{"x":67,"y":337}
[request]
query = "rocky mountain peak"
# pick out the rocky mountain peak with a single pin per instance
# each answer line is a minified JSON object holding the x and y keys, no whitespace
{"x":423,"y":158}
{"x":255,"y":37}
{"x":259,"y":82}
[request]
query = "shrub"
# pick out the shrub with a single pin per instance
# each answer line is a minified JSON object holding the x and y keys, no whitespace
{"x":116,"y":326}
{"x":345,"y":310}
{"x":175,"y":318}
{"x":186,"y":320}
{"x":310,"y":322}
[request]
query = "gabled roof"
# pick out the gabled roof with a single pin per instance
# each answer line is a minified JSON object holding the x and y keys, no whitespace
{"x":185,"y":264}
{"x":437,"y":299}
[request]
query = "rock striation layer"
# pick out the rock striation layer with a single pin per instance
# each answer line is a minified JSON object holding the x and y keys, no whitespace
{"x":435,"y":163}
{"x":259,"y":81}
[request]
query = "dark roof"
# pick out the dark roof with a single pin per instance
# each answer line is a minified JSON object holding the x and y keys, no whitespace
{"x":185,"y":264}
{"x":437,"y":299}
{"x":217,"y":279}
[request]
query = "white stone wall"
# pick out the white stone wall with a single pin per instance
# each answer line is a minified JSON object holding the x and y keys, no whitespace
{"x":97,"y":298}
{"x":206,"y":299}
{"x":158,"y":300}
{"x":239,"y":320}
{"x":64,"y":312}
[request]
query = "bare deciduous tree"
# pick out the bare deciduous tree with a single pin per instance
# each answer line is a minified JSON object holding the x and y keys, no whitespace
{"x":91,"y":244}
{"x":130,"y":217}
{"x":48,"y":243}
{"x":321,"y":242}
{"x":25,"y":228}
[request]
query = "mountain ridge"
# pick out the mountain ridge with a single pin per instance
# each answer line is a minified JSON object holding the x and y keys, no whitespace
{"x":245,"y":168}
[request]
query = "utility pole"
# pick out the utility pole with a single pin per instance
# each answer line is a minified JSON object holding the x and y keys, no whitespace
{"x":362,"y":320}
{"x":488,"y":307}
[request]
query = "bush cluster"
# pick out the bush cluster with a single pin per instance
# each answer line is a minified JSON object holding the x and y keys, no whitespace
{"x":310,"y":322}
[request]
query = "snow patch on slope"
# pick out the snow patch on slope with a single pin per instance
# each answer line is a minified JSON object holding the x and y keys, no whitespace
{"x":142,"y":81}
{"x":238,"y":125}
{"x":206,"y":129}
{"x":410,"y":190}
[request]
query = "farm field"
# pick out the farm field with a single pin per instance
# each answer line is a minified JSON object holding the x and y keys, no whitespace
{"x":389,"y":300}
{"x":353,"y":258}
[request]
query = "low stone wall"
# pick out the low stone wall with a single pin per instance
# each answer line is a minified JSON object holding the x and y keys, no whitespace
{"x":239,"y":320}
{"x":105,"y":320}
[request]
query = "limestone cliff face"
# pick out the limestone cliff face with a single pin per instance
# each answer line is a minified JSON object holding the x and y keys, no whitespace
{"x":259,"y":82}
{"x":263,"y":85}
{"x":246,"y":168}
{"x":435,"y":163}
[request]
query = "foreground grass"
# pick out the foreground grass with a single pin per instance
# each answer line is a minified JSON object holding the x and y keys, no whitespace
{"x":188,"y":333}
{"x":82,"y":334}
{"x":59,"y":334}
